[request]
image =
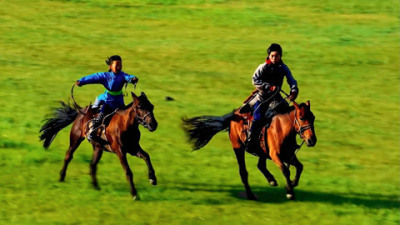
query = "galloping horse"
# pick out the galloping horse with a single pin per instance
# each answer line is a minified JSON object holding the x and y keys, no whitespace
{"x":278,"y":142}
{"x":122,"y":133}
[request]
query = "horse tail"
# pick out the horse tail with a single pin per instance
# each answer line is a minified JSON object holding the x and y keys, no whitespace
{"x":201,"y":129}
{"x":58,"y":120}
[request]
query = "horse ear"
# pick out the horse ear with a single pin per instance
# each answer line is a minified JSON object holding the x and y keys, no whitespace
{"x":133,"y":95}
{"x":143,"y":94}
{"x":308,"y":103}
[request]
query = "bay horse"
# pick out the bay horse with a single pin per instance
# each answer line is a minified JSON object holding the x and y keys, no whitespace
{"x":278,"y":142}
{"x":122,"y":134}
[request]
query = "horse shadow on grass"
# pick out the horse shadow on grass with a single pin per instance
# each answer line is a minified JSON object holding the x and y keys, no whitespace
{"x":278,"y":195}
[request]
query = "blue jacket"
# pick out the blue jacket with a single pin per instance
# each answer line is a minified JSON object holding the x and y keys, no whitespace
{"x":113,"y":83}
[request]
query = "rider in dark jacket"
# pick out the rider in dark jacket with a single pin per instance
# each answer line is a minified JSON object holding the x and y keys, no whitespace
{"x":268,"y":79}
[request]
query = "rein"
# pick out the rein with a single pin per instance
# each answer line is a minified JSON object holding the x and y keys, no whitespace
{"x":267,"y":100}
{"x":126,"y":85}
{"x":76,"y":106}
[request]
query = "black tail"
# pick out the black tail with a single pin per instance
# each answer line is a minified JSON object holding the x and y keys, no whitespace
{"x":202,"y":128}
{"x":60,"y":118}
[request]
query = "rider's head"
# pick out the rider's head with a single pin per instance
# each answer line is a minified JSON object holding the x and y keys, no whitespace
{"x":274,"y":53}
{"x":115,"y":63}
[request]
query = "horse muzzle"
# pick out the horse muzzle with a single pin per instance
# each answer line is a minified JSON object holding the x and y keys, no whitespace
{"x":152,"y":126}
{"x":311,"y":142}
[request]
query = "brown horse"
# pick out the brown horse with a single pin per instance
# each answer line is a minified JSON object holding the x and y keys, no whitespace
{"x":122,"y":134}
{"x":278,"y":142}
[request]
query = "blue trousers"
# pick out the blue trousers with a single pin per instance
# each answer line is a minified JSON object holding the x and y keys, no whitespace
{"x":109,"y":102}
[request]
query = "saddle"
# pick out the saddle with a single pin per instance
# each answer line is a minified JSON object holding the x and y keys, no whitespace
{"x":101,"y":129}
{"x":246,"y":111}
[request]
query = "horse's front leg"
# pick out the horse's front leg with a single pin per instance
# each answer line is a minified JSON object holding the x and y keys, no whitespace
{"x":146,"y":157}
{"x":97,"y":153}
{"x":262,"y":166}
{"x":128,"y":172}
{"x":286,"y":173}
{"x":239,"y":152}
{"x":299,"y":169}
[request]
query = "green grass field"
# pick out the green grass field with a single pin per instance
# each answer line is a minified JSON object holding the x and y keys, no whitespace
{"x":202,"y":53}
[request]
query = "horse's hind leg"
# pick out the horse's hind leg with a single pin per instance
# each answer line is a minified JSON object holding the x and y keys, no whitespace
{"x":75,"y":141}
{"x":97,"y":153}
{"x":262,"y":166}
{"x":299,"y":169}
{"x":239,"y":152}
{"x":152,"y":174}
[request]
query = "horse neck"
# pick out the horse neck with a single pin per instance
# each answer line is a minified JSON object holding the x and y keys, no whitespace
{"x":128,"y":117}
{"x":286,"y":122}
{"x":292,"y":118}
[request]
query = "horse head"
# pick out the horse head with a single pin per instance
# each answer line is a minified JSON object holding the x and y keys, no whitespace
{"x":304,"y":123}
{"x":144,"y":111}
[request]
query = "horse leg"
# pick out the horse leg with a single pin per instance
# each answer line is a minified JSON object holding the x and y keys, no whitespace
{"x":262,"y":166}
{"x":239,"y":152}
{"x":146,"y":157}
{"x":299,"y":169}
{"x":128,"y":173}
{"x":75,"y":141}
{"x":97,"y":153}
{"x":286,"y":173}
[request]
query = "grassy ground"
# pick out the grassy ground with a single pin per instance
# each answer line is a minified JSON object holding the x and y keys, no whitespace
{"x":344,"y":55}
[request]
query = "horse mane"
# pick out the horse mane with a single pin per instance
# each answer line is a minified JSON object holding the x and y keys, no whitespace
{"x":127,"y":106}
{"x":291,"y":108}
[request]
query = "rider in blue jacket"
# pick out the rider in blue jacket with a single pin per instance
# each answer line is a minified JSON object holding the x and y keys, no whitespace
{"x":112,"y":98}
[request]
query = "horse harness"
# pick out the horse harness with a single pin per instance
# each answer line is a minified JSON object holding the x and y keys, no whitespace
{"x":301,"y":129}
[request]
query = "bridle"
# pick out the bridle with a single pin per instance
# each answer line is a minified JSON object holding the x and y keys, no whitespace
{"x":301,"y":129}
{"x":141,"y":119}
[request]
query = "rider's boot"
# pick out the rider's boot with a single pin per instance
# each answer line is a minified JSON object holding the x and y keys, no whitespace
{"x":253,"y":142}
{"x":96,"y":123}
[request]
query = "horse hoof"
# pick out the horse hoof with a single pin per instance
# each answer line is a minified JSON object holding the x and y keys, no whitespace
{"x":247,"y":196}
{"x":252,"y":197}
{"x":153,"y":181}
{"x":135,"y":197}
{"x":273,"y":183}
{"x":290,"y":196}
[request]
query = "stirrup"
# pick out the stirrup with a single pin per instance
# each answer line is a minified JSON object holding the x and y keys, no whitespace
{"x":92,"y":136}
{"x":97,"y":139}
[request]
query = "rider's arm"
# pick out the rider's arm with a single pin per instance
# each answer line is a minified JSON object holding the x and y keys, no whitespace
{"x":294,"y":90}
{"x":131,"y":78}
{"x":289,"y":78}
{"x":257,"y":78}
{"x":96,"y":78}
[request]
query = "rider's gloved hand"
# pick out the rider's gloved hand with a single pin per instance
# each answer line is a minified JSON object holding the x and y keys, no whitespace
{"x":269,"y":88}
{"x":134,"y":80}
{"x":293,"y":94}
{"x":78,"y":83}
